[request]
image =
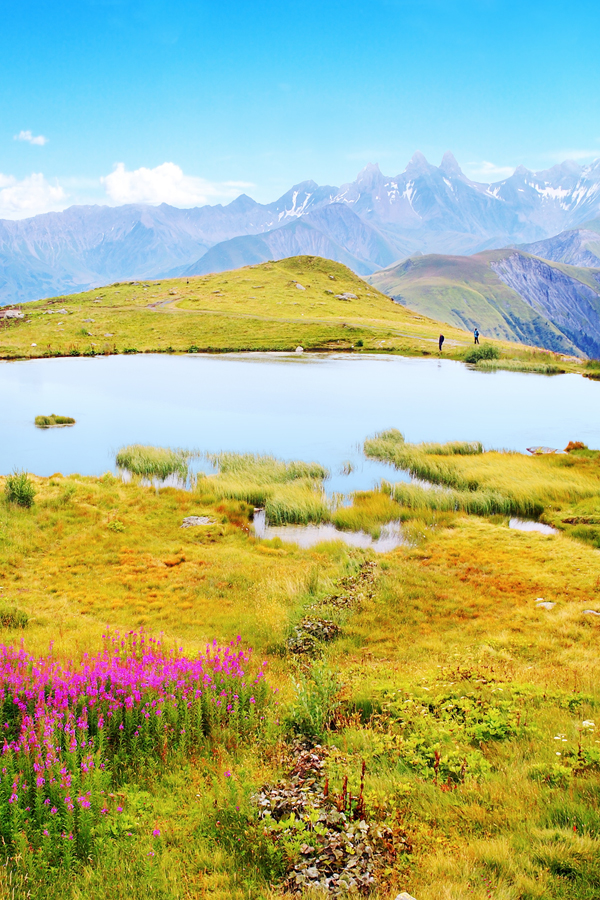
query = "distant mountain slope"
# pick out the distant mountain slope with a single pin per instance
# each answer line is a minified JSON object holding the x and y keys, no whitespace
{"x":576,"y":247}
{"x":505,"y":293}
{"x":334,"y":232}
{"x":368,"y":223}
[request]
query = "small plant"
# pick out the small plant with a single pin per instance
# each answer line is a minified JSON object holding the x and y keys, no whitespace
{"x":575,"y":445}
{"x":116,"y":525}
{"x":13,"y":617}
{"x":19,"y":489}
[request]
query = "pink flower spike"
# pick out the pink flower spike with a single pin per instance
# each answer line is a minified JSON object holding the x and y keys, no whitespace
{"x":156,"y":832}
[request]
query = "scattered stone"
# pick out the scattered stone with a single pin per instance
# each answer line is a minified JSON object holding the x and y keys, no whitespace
{"x":193,"y":521}
{"x":108,"y":334}
{"x":314,"y":630}
{"x":300,"y":286}
{"x":345,"y":851}
{"x":299,"y":350}
{"x":12,"y":314}
{"x":544,"y":604}
{"x":404,"y":896}
{"x":346,"y":296}
{"x":591,"y":612}
{"x":34,"y":345}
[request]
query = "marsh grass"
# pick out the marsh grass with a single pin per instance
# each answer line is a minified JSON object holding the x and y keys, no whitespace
{"x":53,"y":421}
{"x":520,"y":365}
{"x":290,"y":492}
{"x":153,"y":462}
{"x":12,"y":617}
{"x":449,"y":656}
{"x":486,"y":483}
{"x":483,"y":352}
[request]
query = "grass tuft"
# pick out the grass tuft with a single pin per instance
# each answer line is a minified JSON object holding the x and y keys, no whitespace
{"x":153,"y":462}
{"x":53,"y":421}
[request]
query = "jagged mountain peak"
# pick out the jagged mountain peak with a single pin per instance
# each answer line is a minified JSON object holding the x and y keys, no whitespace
{"x":418,"y":162}
{"x":449,"y":164}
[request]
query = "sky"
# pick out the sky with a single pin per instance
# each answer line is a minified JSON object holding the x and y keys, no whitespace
{"x":118,"y":101}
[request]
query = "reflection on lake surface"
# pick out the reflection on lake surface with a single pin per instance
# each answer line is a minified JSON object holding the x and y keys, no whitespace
{"x":309,"y":407}
{"x":529,"y":525}
{"x":310,"y":535}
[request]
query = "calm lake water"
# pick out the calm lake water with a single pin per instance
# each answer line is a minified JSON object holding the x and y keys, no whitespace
{"x":294,"y":407}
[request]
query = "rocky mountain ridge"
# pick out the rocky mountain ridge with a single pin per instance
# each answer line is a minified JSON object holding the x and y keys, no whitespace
{"x":368,"y":223}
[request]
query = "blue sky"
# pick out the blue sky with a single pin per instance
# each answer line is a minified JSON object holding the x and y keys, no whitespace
{"x":191,"y":102}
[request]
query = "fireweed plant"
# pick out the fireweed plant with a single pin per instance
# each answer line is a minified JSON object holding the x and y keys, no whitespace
{"x":70,"y":730}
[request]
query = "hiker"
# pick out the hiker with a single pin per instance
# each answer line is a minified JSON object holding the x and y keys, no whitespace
{"x":476,"y":336}
{"x":441,"y":341}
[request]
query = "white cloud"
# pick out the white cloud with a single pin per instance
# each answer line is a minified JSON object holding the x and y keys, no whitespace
{"x":166,"y":184}
{"x":29,"y":197}
{"x":28,"y":136}
{"x":488,"y":171}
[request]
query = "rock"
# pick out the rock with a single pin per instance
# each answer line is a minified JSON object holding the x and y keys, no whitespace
{"x":299,"y":350}
{"x":404,"y":896}
{"x":300,"y":286}
{"x":192,"y":521}
{"x":591,"y":612}
{"x":346,"y":296}
{"x":544,"y":604}
{"x":12,"y":314}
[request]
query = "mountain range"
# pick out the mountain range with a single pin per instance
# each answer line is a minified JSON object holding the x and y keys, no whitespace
{"x":368,"y":224}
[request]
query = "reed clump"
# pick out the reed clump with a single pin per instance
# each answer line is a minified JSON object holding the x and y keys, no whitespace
{"x":290,"y":492}
{"x":153,"y":462}
{"x":520,"y":365}
{"x":19,"y":489}
{"x":53,"y":421}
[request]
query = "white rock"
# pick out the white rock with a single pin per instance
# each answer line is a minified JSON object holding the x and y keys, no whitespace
{"x":300,"y":287}
{"x":404,"y":896}
{"x":591,"y":612}
{"x":299,"y":350}
{"x":192,"y":521}
{"x":544,"y":604}
{"x":34,"y":345}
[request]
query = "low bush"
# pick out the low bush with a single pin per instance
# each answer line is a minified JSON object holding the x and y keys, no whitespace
{"x":19,"y":489}
{"x":486,"y":351}
{"x":13,"y":617}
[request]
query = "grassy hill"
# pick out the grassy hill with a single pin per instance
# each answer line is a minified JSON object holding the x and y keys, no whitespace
{"x":270,"y":306}
{"x":467,"y":291}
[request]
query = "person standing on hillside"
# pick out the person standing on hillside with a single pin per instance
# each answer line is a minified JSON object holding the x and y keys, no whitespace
{"x":441,"y":341}
{"x":476,"y":336}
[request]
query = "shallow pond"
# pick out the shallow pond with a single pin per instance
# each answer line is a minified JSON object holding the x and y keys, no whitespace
{"x":531,"y":525}
{"x":310,"y":535}
{"x":310,"y":407}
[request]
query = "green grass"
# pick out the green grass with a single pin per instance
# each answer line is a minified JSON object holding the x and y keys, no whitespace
{"x":53,"y":421}
{"x":153,"y":462}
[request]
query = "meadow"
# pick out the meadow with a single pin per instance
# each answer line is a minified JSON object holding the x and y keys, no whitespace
{"x":302,"y":301}
{"x":192,"y":712}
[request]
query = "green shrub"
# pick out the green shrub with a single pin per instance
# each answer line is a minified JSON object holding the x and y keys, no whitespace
{"x":19,"y":489}
{"x":486,"y":351}
{"x":12,"y":617}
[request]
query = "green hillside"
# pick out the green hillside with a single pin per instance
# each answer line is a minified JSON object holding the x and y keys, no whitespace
{"x":465,"y":291}
{"x":270,"y":306}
